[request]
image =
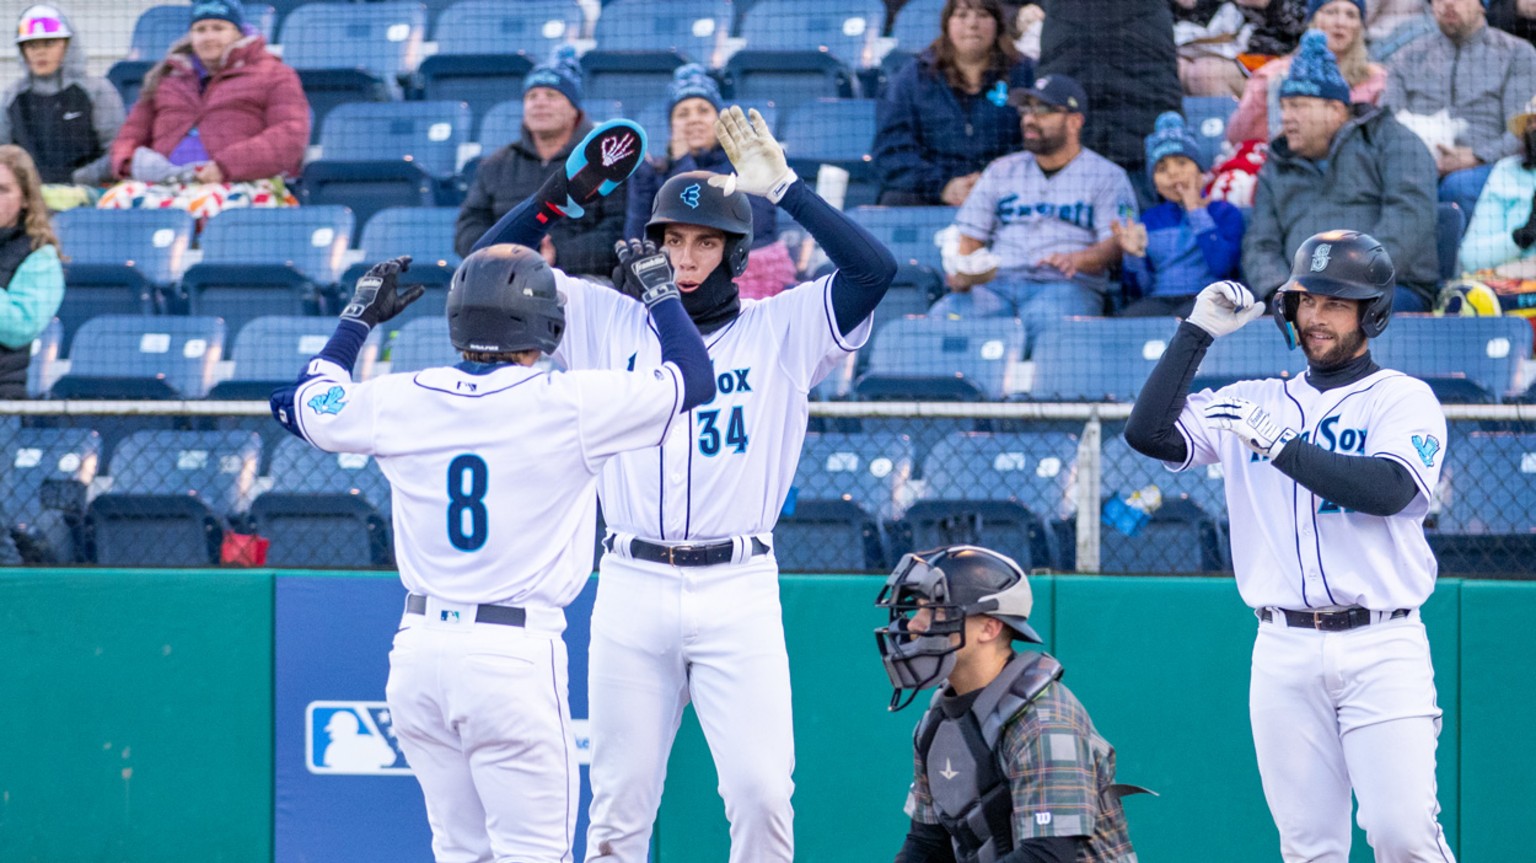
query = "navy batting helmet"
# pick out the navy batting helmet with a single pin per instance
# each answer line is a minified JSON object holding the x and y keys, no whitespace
{"x":503,"y":299}
{"x":711,"y":201}
{"x":1345,"y":264}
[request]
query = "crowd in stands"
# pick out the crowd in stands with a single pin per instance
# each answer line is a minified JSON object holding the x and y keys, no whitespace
{"x":1062,"y":133}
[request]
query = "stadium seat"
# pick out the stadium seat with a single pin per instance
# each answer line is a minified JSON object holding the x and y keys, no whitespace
{"x":633,"y":78}
{"x":1098,"y":359}
{"x":789,"y":78}
{"x":132,"y":357}
{"x":485,"y":27}
{"x":1182,"y":535}
{"x":159,"y":530}
{"x":911,"y":293}
{"x":1450,"y":224}
{"x":424,"y":233}
{"x":926,"y":359}
{"x":907,"y":231}
{"x":478,"y":80}
{"x":422,"y":344}
{"x":120,"y":261}
{"x":158,"y":27}
{"x":392,"y":154}
{"x":270,"y":352}
{"x":324,"y":509}
{"x":299,"y":468}
{"x":44,"y":365}
{"x":845,"y":488}
{"x":846,"y":30}
{"x":1006,"y":491}
{"x":269,"y":262}
{"x":128,"y":77}
{"x":1464,"y":360}
{"x":46,"y":472}
{"x":837,"y":132}
{"x":696,"y":29}
{"x":917,"y":24}
{"x":353,"y":52}
{"x":501,"y":125}
{"x":1487,"y":519}
{"x":1255,"y":351}
{"x":1123,"y":470}
{"x":1207,"y":116}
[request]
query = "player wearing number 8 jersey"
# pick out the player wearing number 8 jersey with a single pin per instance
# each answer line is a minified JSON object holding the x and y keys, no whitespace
{"x":1328,"y":478}
{"x":493,"y":466}
{"x":688,"y":602}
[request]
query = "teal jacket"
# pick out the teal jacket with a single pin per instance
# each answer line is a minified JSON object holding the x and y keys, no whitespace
{"x":32,"y":298}
{"x":1504,"y":205}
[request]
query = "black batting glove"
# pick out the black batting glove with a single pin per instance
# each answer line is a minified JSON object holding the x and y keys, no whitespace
{"x":378,"y":296}
{"x":643,"y":272}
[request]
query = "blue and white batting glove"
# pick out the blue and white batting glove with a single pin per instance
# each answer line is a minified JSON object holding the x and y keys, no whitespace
{"x":1251,"y":423}
{"x":1224,"y":307}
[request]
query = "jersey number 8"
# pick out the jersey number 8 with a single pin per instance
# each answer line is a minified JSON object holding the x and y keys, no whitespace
{"x":467,"y":504}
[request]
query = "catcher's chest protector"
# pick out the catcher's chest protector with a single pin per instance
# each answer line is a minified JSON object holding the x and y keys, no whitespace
{"x":968,"y":782}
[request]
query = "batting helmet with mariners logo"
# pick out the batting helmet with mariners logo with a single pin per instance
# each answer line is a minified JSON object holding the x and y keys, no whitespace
{"x":1345,"y":264}
{"x":503,"y":299}
{"x":709,"y":200}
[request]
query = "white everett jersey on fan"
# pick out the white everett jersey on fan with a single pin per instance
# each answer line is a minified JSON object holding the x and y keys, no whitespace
{"x":727,"y":469}
{"x":492,"y":475}
{"x":1291,"y":548}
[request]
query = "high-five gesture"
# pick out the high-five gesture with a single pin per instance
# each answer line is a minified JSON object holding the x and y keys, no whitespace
{"x":758,"y":158}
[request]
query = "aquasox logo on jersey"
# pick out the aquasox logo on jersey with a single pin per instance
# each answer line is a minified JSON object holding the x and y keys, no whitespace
{"x":357,"y":738}
{"x":328,"y":402}
{"x":720,"y":429}
{"x":1330,"y":436}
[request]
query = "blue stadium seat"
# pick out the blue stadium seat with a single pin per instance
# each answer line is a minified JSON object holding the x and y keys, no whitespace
{"x":938,"y":359}
{"x":324,"y":509}
{"x":120,"y":261}
{"x":478,"y":80}
{"x":46,"y":472}
{"x":353,"y":52}
{"x":424,"y":233}
{"x":500,"y":126}
{"x":158,"y":27}
{"x":1006,"y":491}
{"x":1183,"y":535}
{"x":911,"y":293}
{"x":630,"y":78}
{"x":46,"y":349}
{"x":392,"y":154}
{"x":422,"y":344}
{"x":846,"y":30}
{"x":1255,"y":351}
{"x":907,"y":231}
{"x":484,"y":27}
{"x":695,"y":29}
{"x":299,"y":468}
{"x":128,"y":77}
{"x":269,"y":262}
{"x":789,"y":78}
{"x":838,"y":132}
{"x":1123,"y":470}
{"x":127,"y":356}
{"x":1464,"y":360}
{"x":917,"y":24}
{"x":1450,"y":224}
{"x":1207,"y":117}
{"x":270,"y":352}
{"x":845,"y":487}
{"x":1098,"y":359}
{"x":1487,"y":520}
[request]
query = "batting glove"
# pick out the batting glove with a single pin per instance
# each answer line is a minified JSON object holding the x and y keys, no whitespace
{"x":378,"y":297}
{"x":757,"y":157}
{"x":1251,"y":423}
{"x":643,"y":272}
{"x":1224,"y":307}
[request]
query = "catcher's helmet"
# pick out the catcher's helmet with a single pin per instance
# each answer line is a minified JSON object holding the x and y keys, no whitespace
{"x":952,"y":583}
{"x":503,"y":299}
{"x":1345,"y":264}
{"x":710,"y":200}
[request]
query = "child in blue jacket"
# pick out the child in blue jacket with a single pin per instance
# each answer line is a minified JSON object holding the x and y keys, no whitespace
{"x":1184,"y":243}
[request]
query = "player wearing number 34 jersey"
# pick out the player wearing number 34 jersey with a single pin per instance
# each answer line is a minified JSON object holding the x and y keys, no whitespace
{"x":687,"y":602}
{"x":1328,"y":478}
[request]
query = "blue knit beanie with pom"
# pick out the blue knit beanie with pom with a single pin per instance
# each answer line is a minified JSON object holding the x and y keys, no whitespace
{"x":561,"y":72}
{"x":1171,"y":137}
{"x":692,"y":81}
{"x":1314,"y":71}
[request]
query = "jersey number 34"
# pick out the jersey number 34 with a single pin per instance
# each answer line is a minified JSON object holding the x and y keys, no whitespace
{"x":709,"y":432}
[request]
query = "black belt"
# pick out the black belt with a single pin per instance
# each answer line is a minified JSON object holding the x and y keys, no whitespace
{"x":502,"y":615}
{"x":1329,"y":621}
{"x":707,"y":554}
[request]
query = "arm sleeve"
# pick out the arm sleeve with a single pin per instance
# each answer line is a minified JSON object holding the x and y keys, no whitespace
{"x":334,"y":361}
{"x":32,"y":298}
{"x":898,"y":152}
{"x":865,"y":267}
{"x":1264,"y":258}
{"x":471,"y":229}
{"x":926,"y":843}
{"x":585,"y":245}
{"x":279,"y":147}
{"x":1374,"y":486}
{"x":1488,"y":241}
{"x":1152,"y":427}
{"x":1409,"y":182}
{"x":682,"y":346}
{"x":1218,"y":230}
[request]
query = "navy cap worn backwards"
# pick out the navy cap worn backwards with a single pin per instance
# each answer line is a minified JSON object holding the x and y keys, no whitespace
{"x":1059,"y":90}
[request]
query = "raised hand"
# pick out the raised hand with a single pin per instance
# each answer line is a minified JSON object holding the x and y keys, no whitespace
{"x":378,"y":296}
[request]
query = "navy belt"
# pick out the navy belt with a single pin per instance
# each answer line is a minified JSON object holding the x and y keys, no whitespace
{"x":1329,"y":621}
{"x":704,"y":554}
{"x":502,"y":615}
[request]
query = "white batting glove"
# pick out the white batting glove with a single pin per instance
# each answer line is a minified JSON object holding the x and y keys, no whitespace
{"x":1251,"y":423}
{"x":757,"y":157}
{"x":1224,"y":307}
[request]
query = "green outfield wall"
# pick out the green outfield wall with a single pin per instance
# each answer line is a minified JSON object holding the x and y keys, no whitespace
{"x":136,"y":718}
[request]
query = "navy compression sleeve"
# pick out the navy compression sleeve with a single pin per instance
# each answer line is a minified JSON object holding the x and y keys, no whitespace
{"x":865,"y":267}
{"x":1374,"y":486}
{"x":1150,"y":430}
{"x":520,"y":225}
{"x":344,"y":344}
{"x":682,"y":346}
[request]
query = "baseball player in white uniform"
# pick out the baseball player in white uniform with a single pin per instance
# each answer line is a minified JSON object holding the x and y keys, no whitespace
{"x":688,"y":599}
{"x":1328,"y":478}
{"x":493,"y":467}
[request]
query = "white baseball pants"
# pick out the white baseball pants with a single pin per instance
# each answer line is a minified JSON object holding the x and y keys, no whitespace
{"x":665,"y":635}
{"x":1333,"y":711}
{"x":482,"y":713}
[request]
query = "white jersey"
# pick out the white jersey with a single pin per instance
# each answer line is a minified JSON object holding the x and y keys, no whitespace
{"x":492,"y":471}
{"x":1291,"y":548}
{"x":726,"y":471}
